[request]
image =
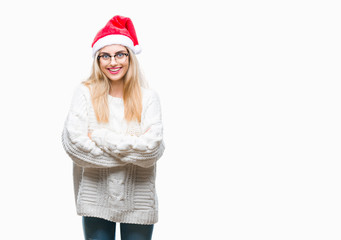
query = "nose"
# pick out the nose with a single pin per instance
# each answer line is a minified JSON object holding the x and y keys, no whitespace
{"x":112,"y":59}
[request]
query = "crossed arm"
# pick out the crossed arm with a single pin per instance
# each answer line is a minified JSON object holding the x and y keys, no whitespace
{"x":105,"y":148}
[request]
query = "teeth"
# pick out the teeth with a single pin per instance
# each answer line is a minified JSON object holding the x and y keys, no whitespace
{"x":114,"y":69}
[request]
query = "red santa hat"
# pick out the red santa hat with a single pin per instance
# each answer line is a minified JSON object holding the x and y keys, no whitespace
{"x":119,"y":30}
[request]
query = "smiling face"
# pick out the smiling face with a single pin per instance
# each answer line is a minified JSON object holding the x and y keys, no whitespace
{"x":114,"y":68}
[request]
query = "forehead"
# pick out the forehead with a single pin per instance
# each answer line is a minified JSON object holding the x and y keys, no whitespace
{"x":113,"y":48}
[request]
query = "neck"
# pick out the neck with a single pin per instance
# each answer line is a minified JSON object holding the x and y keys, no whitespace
{"x":116,"y":89}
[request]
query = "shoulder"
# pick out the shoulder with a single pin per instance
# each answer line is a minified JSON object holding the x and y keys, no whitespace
{"x":81,"y":95}
{"x":81,"y":90}
{"x":149,"y":95}
{"x":151,"y":100}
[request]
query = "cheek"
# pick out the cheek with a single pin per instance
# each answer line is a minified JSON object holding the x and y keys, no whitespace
{"x":126,"y":67}
{"x":102,"y":66}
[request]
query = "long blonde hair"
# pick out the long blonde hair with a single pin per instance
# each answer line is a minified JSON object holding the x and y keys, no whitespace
{"x":99,"y":86}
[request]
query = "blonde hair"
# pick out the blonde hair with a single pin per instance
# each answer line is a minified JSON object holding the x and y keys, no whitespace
{"x":99,"y":86}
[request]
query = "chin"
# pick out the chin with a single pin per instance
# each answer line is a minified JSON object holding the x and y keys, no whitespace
{"x":116,"y":80}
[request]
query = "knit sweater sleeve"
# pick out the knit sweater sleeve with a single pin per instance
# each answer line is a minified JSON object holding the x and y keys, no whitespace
{"x":142,"y":150}
{"x":80,"y":148}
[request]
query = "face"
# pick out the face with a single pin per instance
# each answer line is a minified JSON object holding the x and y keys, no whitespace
{"x":114,"y":67}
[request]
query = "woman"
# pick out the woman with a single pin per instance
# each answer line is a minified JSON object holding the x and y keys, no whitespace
{"x":113,"y":134}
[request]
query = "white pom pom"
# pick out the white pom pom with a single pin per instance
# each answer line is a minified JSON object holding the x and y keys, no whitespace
{"x":137,"y":49}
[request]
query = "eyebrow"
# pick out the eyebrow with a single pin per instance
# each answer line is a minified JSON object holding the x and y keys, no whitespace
{"x":121,"y":51}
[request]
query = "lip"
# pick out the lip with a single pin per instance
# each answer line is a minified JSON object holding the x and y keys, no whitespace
{"x":117,"y":70}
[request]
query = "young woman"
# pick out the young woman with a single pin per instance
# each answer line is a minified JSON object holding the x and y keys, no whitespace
{"x":113,"y":134}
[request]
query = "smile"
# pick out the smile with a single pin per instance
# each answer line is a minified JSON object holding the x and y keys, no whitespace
{"x":114,"y":70}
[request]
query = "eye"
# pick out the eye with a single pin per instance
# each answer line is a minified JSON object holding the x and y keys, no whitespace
{"x":120,"y":55}
{"x":105,"y":56}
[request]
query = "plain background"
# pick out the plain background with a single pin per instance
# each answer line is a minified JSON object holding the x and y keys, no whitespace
{"x":250,"y":94}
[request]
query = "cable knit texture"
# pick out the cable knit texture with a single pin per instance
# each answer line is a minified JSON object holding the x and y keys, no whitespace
{"x":114,"y":171}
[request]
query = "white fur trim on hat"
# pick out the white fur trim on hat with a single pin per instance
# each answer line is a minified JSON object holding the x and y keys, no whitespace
{"x":115,"y":39}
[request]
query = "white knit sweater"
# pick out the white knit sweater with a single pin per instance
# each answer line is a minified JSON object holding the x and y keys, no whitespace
{"x":114,"y":173}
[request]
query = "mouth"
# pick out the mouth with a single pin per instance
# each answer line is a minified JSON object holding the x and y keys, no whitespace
{"x":115,"y":70}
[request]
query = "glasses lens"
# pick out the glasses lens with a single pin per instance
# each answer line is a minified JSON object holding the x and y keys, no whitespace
{"x":105,"y":57}
{"x":121,"y":57}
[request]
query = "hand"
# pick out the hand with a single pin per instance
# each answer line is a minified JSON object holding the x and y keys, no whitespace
{"x":89,"y":135}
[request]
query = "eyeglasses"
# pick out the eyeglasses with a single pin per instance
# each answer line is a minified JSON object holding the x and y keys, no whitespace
{"x":119,"y":57}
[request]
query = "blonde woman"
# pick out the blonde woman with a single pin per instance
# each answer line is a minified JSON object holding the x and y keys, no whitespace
{"x":113,"y":134}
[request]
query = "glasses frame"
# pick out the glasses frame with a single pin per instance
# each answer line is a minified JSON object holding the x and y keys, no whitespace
{"x":114,"y":56}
